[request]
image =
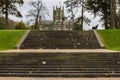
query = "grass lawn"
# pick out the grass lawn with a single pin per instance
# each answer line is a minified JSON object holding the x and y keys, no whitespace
{"x":9,"y":38}
{"x":110,"y":38}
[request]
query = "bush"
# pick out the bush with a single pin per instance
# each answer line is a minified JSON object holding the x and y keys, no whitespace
{"x":11,"y":23}
{"x":2,"y":25}
{"x":21,"y":25}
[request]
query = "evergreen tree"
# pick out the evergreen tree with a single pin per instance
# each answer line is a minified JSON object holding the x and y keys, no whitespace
{"x":106,"y":9}
{"x":9,"y":7}
{"x":100,"y":8}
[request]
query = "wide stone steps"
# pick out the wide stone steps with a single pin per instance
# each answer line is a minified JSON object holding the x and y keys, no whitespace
{"x":60,"y":64}
{"x":60,"y":40}
{"x":60,"y":74}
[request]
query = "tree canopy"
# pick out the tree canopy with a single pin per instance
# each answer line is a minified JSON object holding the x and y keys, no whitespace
{"x":106,"y":9}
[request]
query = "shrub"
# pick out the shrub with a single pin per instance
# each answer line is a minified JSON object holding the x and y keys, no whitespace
{"x":10,"y":22}
{"x":2,"y":25}
{"x":21,"y":25}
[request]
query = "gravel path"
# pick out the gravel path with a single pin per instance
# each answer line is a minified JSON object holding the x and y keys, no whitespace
{"x":20,"y":78}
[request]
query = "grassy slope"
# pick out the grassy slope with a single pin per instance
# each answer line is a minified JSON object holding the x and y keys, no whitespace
{"x":9,"y":38}
{"x":110,"y":38}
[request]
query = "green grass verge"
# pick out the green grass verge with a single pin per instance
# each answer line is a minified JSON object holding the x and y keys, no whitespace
{"x":9,"y":38}
{"x":110,"y":38}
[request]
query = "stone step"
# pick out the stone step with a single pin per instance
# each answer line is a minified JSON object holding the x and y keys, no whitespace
{"x":37,"y":74}
{"x":60,"y":65}
{"x":60,"y":40}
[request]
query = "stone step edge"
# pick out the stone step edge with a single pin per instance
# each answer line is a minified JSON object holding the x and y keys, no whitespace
{"x":59,"y":51}
{"x":57,"y":78}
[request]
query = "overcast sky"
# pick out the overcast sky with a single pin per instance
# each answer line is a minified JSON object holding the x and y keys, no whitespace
{"x":49,"y":4}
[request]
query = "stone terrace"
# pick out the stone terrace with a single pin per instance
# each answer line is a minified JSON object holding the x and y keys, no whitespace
{"x":60,"y":54}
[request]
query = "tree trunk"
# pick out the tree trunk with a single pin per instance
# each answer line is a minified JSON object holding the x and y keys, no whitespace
{"x":73,"y":21}
{"x":82,"y":20}
{"x":36,"y":23}
{"x":113,"y":13}
{"x":106,"y":22}
{"x":6,"y":16}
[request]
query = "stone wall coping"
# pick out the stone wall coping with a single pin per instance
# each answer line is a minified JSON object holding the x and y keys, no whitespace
{"x":98,"y":39}
{"x":22,"y":39}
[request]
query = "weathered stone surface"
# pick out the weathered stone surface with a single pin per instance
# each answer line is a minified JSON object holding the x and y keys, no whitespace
{"x":60,"y":40}
{"x":60,"y":65}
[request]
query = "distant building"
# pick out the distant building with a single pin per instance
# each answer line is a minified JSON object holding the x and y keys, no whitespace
{"x":46,"y":25}
{"x":59,"y":21}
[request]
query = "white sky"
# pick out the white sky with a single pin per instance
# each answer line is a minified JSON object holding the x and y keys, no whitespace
{"x":49,"y":4}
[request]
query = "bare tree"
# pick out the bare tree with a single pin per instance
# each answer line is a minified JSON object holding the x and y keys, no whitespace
{"x":70,"y":5}
{"x":73,"y":5}
{"x":37,"y":12}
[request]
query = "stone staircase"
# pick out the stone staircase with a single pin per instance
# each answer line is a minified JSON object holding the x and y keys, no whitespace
{"x":60,"y":40}
{"x":60,"y":65}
